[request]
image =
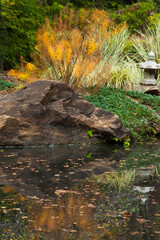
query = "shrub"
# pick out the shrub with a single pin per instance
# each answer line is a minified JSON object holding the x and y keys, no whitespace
{"x":137,"y":15}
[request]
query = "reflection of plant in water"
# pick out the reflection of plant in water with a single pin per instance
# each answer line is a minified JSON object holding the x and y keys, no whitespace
{"x":71,"y":216}
{"x":12,"y":219}
{"x":116,"y":180}
{"x":86,"y":212}
{"x":141,"y":158}
{"x":157,"y":171}
{"x":114,"y":213}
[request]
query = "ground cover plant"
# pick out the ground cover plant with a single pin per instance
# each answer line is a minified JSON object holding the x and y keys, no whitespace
{"x":140,"y":119}
{"x":6,"y":84}
{"x":146,"y":99}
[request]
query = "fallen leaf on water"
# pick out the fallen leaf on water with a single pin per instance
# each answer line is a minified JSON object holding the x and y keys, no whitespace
{"x":134,"y":233}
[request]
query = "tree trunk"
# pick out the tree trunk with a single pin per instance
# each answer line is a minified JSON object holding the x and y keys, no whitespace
{"x":1,"y":63}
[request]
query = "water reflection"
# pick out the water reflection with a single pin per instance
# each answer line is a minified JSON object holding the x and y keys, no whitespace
{"x":144,"y":178}
{"x":40,"y":172}
{"x":57,"y":198}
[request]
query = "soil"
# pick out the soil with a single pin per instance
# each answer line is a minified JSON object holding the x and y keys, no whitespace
{"x":4,"y":76}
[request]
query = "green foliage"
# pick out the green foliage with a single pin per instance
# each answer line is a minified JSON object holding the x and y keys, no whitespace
{"x":127,"y":142}
{"x":137,"y":16}
{"x":89,"y":155}
{"x":90,"y":133}
{"x":19,"y":21}
{"x":100,"y":4}
{"x":139,"y":118}
{"x":115,"y":139}
{"x":147,"y":99}
{"x":147,"y":41}
{"x":6,"y":84}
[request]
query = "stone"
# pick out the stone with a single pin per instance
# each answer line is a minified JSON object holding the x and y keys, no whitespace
{"x":153,"y":90}
{"x":50,"y":112}
{"x":150,"y":70}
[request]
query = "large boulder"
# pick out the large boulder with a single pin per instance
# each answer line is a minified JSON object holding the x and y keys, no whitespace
{"x":47,"y":112}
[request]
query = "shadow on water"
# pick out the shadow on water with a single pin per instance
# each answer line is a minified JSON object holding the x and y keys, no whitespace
{"x":53,"y":194}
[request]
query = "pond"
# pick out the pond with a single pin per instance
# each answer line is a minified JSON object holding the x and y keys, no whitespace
{"x":80,"y":192}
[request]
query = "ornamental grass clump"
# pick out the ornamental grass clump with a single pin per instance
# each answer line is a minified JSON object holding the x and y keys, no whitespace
{"x":125,"y":75}
{"x":79,"y":49}
{"x":144,"y":42}
{"x":114,"y":67}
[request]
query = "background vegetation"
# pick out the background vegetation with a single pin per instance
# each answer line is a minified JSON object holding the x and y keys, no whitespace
{"x":20,"y":20}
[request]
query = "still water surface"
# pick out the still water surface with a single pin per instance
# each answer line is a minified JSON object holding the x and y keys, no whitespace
{"x":53,"y":194}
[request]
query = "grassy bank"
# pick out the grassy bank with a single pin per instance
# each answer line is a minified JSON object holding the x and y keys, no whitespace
{"x":138,"y":111}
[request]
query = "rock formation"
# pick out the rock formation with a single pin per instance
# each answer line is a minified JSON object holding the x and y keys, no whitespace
{"x":50,"y":112}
